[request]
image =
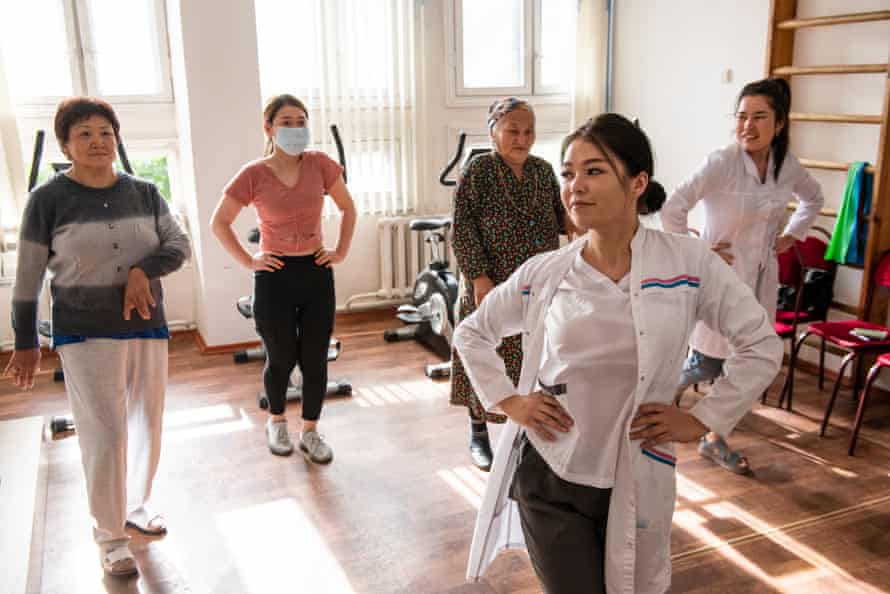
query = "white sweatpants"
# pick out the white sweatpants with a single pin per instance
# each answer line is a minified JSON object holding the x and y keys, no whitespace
{"x":116,"y":390}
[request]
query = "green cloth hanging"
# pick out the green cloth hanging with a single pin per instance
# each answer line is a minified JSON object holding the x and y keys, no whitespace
{"x":846,"y":218}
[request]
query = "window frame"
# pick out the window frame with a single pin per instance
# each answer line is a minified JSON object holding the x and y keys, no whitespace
{"x":539,"y":89}
{"x":460,"y":96}
{"x":457,"y":52}
{"x":82,"y":60}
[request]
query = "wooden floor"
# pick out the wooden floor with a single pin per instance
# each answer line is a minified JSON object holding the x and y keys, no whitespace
{"x":395,"y":510}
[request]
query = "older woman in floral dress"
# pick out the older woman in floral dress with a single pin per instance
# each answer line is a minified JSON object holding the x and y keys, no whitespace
{"x":506,"y":210}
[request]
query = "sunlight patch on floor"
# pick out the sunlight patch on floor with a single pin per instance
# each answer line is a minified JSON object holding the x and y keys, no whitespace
{"x":397,"y":393}
{"x":240,"y":422}
{"x":466,"y":481}
{"x":267,"y":539}
{"x":814,"y":458}
{"x":820,"y":570}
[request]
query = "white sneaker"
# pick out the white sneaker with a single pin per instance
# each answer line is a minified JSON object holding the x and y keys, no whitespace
{"x":279,"y":441}
{"x":313,"y":447}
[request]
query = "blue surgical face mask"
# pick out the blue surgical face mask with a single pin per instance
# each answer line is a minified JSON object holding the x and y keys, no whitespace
{"x":292,"y":141}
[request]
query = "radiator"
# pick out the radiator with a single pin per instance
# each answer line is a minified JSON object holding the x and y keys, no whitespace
{"x":403,"y":254}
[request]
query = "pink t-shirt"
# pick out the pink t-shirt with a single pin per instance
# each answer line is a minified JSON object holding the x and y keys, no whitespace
{"x":289,"y":218}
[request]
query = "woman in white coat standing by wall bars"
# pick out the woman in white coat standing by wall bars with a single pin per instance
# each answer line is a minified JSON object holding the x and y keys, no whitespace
{"x":745,"y":189}
{"x":586,"y":465}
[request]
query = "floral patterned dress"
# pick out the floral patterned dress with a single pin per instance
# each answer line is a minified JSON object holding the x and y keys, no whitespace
{"x":499,"y":223}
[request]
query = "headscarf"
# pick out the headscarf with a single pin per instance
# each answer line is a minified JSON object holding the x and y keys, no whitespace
{"x":502,"y":107}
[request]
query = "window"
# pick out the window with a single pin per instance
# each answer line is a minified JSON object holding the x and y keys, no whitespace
{"x":511,"y":47}
{"x":355,"y":70}
{"x":52,"y":49}
{"x":355,"y":34}
{"x":156,"y":169}
{"x":56,"y":48}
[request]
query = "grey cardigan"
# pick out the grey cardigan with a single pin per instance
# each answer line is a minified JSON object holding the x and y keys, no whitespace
{"x":89,"y":238}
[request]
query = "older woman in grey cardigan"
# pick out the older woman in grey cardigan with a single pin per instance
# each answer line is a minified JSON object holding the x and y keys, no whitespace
{"x":107,"y":237}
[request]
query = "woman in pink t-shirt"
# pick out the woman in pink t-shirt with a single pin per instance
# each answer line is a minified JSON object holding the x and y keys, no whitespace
{"x":293,"y":280}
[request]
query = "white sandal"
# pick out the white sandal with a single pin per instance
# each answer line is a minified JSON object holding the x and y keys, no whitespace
{"x":155,"y":526}
{"x":147,"y":521}
{"x":119,"y":561}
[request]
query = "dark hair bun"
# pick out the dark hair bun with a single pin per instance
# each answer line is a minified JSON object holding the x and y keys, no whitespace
{"x":652,"y":199}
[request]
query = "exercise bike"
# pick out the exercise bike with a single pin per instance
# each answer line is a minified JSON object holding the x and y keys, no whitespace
{"x":245,"y":308}
{"x":60,"y":423}
{"x":431,"y":317}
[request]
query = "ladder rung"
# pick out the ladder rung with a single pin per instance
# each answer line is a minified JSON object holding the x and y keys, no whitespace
{"x":823,"y":212}
{"x":840,"y":118}
{"x":832,"y":165}
{"x":838,"y":19}
{"x":834,"y":69}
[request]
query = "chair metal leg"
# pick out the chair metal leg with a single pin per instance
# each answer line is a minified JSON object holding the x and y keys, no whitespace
{"x":857,"y":371}
{"x":788,"y":387}
{"x":766,"y":391}
{"x":822,"y":365}
{"x":837,"y":385}
{"x":860,"y":411}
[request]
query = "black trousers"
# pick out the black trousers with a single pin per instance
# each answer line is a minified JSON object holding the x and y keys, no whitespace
{"x":294,"y":313}
{"x":564,"y":526}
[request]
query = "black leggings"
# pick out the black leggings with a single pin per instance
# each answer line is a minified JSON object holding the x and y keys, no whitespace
{"x":294,"y":313}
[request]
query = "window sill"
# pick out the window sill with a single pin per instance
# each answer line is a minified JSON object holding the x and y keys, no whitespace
{"x":486,"y":100}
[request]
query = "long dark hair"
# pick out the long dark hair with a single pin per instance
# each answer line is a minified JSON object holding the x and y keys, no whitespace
{"x":273,"y":105}
{"x":778,"y":94}
{"x":619,"y":138}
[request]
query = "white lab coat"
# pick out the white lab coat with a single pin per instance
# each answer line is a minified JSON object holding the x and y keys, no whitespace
{"x":748,"y":214}
{"x":675,"y":282}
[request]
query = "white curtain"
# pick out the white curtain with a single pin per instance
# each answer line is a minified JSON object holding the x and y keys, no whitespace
{"x":12,"y":173}
{"x":588,"y":97}
{"x":353,"y":63}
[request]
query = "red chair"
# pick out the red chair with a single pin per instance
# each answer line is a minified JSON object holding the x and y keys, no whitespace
{"x":839,"y":334}
{"x":794,"y":266}
{"x":883,"y":361}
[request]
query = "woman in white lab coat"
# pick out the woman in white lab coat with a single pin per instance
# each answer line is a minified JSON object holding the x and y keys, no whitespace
{"x":745,"y":189}
{"x":584,"y":471}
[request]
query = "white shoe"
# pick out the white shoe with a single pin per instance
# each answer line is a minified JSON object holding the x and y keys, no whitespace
{"x":279,"y":441}
{"x":314,"y":448}
{"x":118,"y":561}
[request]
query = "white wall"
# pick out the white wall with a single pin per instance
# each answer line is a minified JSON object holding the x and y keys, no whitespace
{"x":216,"y":85}
{"x":671,"y":59}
